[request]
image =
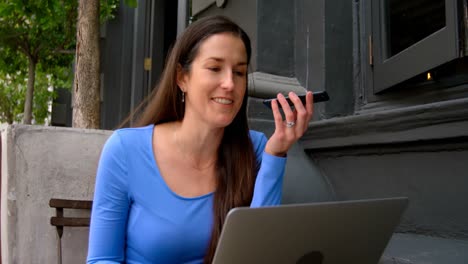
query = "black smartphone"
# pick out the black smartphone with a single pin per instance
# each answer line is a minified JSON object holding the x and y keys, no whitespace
{"x":320,"y":96}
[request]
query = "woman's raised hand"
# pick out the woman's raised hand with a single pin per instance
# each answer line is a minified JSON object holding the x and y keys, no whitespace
{"x":288,"y":131}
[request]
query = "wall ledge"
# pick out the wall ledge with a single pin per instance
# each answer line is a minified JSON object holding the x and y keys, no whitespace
{"x":447,"y":119}
{"x":200,"y":5}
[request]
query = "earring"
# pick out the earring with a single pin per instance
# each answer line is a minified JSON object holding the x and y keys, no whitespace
{"x":183,"y":96}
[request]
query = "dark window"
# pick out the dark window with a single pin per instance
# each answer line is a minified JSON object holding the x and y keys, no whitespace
{"x":409,"y":38}
{"x":408,"y":22}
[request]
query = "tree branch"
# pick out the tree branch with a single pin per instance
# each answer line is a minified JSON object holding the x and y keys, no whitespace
{"x":64,"y":51}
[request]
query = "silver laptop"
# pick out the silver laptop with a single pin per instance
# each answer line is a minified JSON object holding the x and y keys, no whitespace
{"x":317,"y":233}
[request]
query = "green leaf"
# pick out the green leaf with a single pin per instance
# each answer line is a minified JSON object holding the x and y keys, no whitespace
{"x":131,"y":3}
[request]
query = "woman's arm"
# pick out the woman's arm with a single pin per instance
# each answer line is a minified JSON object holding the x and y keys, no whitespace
{"x":269,"y":183}
{"x":110,"y":206}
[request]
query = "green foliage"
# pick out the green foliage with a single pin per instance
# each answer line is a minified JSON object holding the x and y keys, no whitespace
{"x":108,"y":9}
{"x":12,"y":96}
{"x":13,"y":81}
{"x":131,"y":3}
{"x":42,"y":32}
{"x":38,"y":28}
{"x":12,"y":90}
{"x":12,"y":85}
{"x":44,"y":96}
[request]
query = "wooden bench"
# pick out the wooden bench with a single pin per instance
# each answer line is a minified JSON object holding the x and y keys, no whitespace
{"x":60,"y":221}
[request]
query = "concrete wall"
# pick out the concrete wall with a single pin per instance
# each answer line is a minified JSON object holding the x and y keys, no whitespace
{"x":39,"y":163}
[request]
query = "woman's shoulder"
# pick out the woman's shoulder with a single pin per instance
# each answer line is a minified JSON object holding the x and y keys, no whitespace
{"x":130,"y":131}
{"x":129,"y":136}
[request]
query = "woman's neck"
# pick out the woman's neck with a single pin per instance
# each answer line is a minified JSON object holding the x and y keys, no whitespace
{"x":198,"y":144}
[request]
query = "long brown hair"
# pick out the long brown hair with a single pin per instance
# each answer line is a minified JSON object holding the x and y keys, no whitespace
{"x":236,"y":164}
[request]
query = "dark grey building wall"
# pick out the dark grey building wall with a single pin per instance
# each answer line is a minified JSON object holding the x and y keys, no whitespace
{"x":275,"y":24}
{"x":245,"y":14}
{"x":303,"y":181}
{"x":410,"y":143}
{"x":310,"y":44}
{"x":135,"y":34}
{"x":324,"y":53}
{"x":117,"y":68}
{"x":434,"y":181}
{"x":404,"y":143}
{"x":339,"y":57}
{"x":61,"y":108}
{"x":309,"y":49}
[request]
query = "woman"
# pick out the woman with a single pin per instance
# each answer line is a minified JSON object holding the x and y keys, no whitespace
{"x":164,"y":187}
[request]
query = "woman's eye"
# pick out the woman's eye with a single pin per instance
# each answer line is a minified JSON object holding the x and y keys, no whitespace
{"x":214,"y":69}
{"x":239,"y":73}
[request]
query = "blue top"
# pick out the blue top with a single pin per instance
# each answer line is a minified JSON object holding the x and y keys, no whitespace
{"x":136,"y":218}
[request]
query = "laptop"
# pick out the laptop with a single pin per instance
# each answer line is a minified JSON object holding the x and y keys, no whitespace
{"x":355,"y":231}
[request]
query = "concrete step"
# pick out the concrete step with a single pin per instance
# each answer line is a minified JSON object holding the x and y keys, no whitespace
{"x":420,"y":249}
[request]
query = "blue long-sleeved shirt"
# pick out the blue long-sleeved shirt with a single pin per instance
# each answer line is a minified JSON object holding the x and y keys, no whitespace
{"x":137,"y":218}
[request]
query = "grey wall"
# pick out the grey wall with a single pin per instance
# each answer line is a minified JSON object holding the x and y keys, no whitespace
{"x":40,"y":163}
{"x":266,"y":23}
{"x":435,"y":183}
{"x":135,"y":34}
{"x":410,"y":143}
{"x":275,"y":24}
{"x":338,"y":26}
{"x":309,"y":49}
{"x":117,"y":67}
{"x":309,"y":40}
{"x":417,"y":151}
{"x":310,"y":44}
{"x":243,"y":12}
{"x":324,"y":53}
{"x":303,"y":181}
{"x":432,"y":173}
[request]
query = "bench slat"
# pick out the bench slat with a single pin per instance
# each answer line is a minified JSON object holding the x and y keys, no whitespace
{"x":70,"y":221}
{"x":72,"y":204}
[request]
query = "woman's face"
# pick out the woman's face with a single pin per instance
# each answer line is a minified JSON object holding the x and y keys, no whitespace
{"x":216,"y":82}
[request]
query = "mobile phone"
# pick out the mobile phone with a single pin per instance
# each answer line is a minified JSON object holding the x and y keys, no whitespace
{"x":320,"y":96}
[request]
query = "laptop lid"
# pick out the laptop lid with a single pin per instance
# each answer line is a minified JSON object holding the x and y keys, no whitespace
{"x":354,"y":231}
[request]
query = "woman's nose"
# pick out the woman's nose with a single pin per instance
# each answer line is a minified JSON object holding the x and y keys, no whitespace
{"x":228,"y":80}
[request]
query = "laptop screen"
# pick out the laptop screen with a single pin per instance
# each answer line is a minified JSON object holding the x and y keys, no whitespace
{"x":354,"y":231}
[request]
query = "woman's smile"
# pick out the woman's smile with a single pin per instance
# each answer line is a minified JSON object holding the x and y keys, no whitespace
{"x":223,"y":101}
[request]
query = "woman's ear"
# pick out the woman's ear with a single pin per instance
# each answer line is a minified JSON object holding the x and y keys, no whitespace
{"x":180,"y":77}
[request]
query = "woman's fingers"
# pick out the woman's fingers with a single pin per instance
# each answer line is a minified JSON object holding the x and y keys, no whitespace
{"x":308,"y":110}
{"x":300,"y":114}
{"x":309,"y":105}
{"x":303,"y":113}
{"x":276,"y":114}
{"x":289,"y":115}
{"x":294,"y":124}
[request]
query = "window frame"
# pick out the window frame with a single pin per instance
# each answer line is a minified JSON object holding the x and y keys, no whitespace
{"x":414,"y":60}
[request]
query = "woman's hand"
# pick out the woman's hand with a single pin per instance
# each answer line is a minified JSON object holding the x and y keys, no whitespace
{"x":288,"y":131}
